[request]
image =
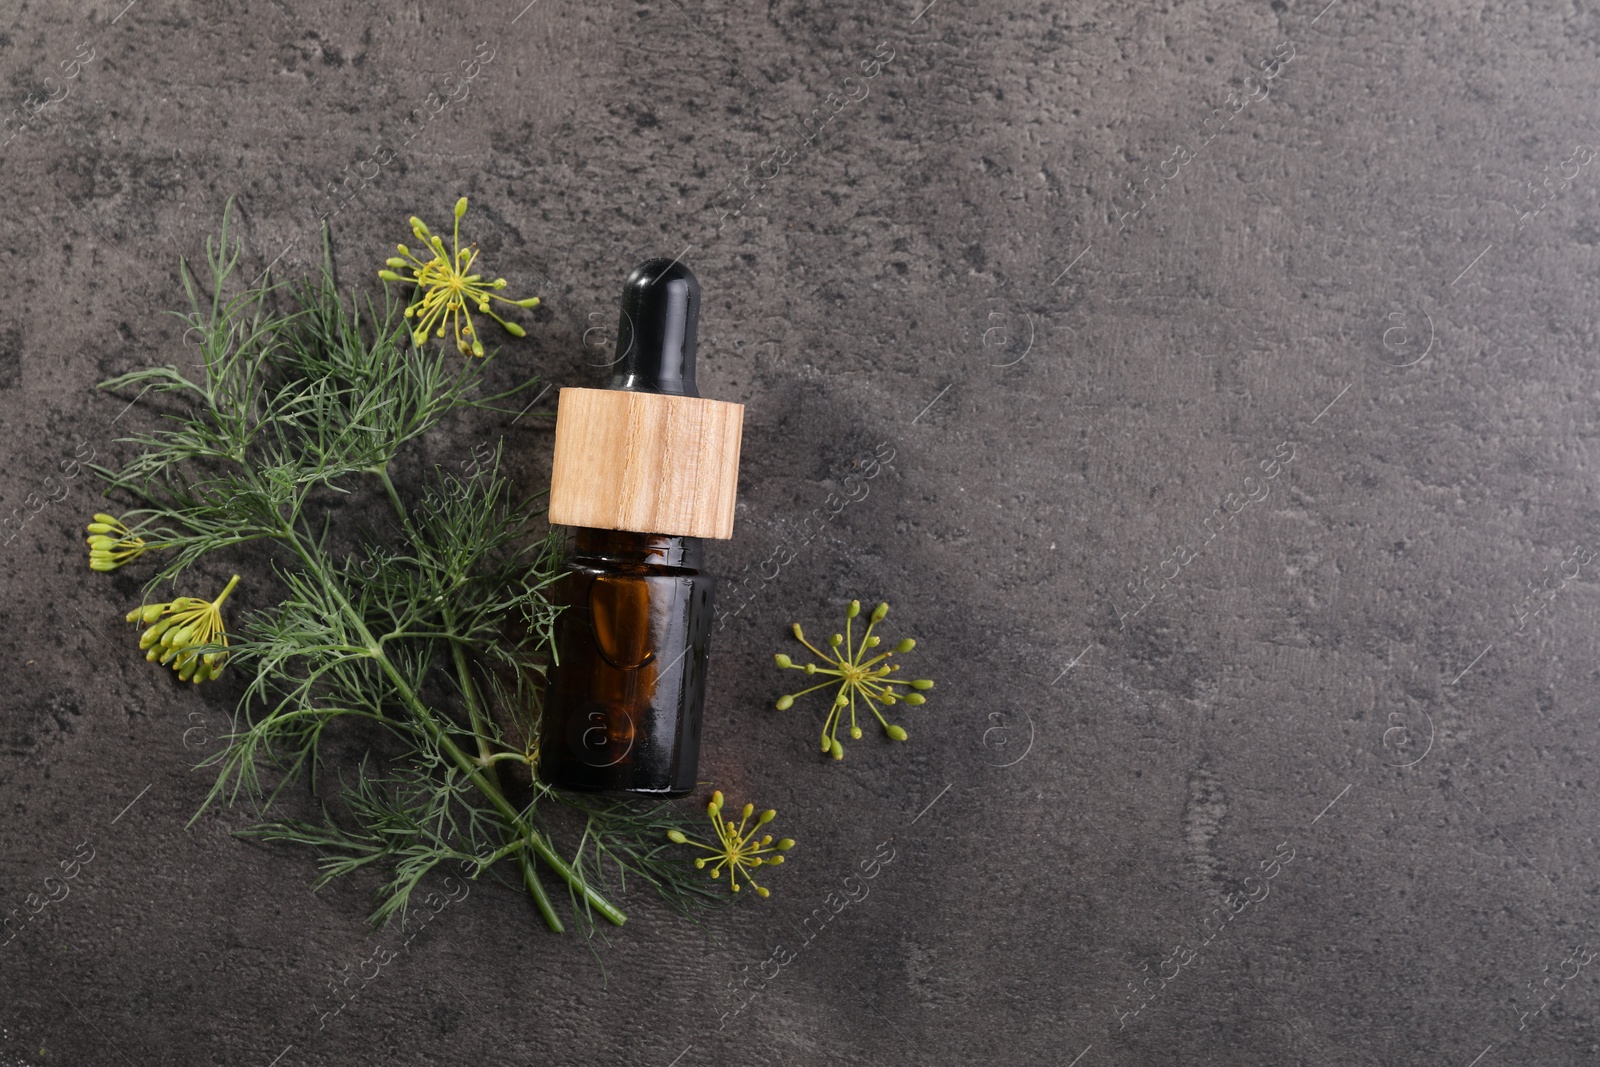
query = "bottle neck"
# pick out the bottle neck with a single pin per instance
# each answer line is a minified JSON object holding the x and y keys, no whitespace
{"x":628,"y":547}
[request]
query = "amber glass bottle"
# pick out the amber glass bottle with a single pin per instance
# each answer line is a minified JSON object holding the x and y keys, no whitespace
{"x":643,"y":470}
{"x":624,"y":705}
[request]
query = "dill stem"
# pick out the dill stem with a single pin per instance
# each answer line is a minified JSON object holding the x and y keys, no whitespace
{"x":474,"y":772}
{"x":469,"y":692}
{"x":382,"y":471}
{"x":530,"y":878}
{"x":508,"y":754}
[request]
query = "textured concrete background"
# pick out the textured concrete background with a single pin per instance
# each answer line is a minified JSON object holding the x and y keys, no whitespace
{"x":1370,"y":692}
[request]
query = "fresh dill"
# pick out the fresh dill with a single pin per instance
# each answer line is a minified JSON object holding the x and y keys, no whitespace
{"x":420,"y":638}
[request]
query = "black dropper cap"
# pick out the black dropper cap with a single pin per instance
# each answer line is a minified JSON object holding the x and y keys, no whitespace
{"x":656,"y":335}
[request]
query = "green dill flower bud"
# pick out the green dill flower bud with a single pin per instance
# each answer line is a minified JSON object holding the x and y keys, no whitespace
{"x":111,"y":544}
{"x":179,"y":629}
{"x":739,"y":849}
{"x":865,"y":680}
{"x":448,"y":290}
{"x":785,"y":702}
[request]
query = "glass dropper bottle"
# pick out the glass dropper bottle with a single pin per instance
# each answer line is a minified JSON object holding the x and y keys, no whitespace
{"x":643,"y":470}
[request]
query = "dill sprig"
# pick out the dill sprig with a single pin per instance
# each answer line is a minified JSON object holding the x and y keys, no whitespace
{"x":412,"y":641}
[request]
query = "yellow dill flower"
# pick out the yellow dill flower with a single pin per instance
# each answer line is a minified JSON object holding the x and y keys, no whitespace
{"x":856,"y":676}
{"x":738,"y":849}
{"x":180,"y":629}
{"x":447,"y":285}
{"x":111,"y":544}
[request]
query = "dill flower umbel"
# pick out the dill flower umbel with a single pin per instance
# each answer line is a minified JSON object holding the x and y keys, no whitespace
{"x":180,"y":629}
{"x":855,"y":676}
{"x":737,"y":848}
{"x":446,"y":285}
{"x":111,"y":544}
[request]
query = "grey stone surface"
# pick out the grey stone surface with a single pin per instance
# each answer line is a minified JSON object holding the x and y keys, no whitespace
{"x":1342,"y":277}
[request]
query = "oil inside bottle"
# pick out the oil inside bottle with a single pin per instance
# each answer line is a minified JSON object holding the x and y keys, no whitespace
{"x":623,"y":708}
